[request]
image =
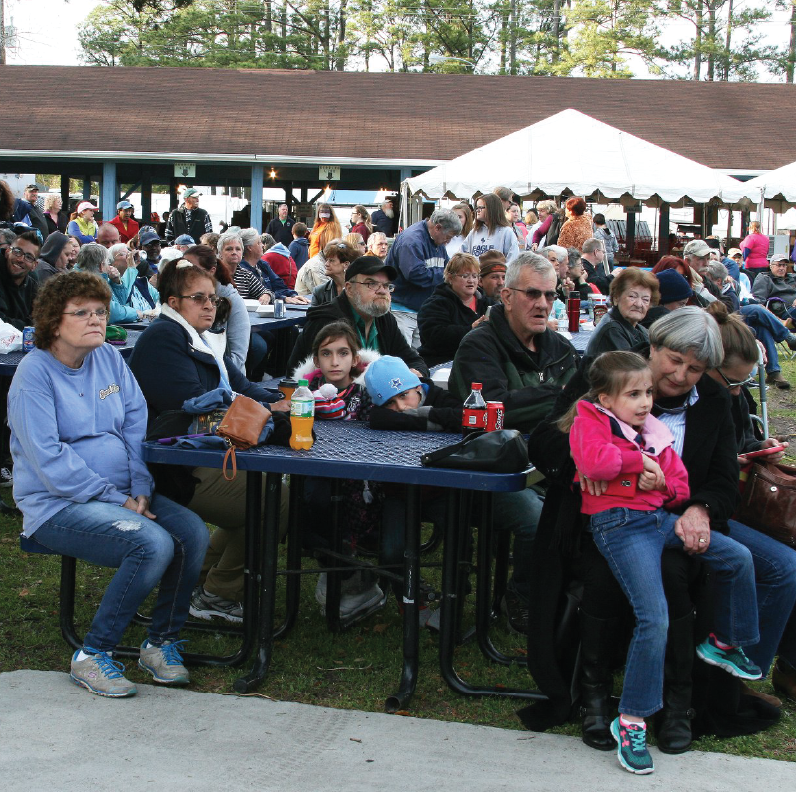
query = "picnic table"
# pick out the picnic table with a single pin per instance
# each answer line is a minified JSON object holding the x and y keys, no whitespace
{"x":351,"y":450}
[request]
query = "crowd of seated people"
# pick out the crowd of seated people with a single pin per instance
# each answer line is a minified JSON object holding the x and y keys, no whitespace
{"x":662,"y":383}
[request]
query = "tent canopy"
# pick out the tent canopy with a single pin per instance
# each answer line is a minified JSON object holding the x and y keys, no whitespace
{"x":777,"y":187}
{"x":571,"y":152}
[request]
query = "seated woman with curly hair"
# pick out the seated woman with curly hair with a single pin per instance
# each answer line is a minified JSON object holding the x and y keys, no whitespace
{"x":77,"y":419}
{"x":577,"y":227}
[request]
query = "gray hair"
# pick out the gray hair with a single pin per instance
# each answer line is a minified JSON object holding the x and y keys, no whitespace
{"x":268,"y":242}
{"x":532,"y":261}
{"x":228,"y":237}
{"x":561,"y":252}
{"x":448,"y":221}
{"x":689,"y":329}
{"x":119,"y":247}
{"x":376,"y":236}
{"x":716,"y":271}
{"x":590,"y":245}
{"x":7,"y":236}
{"x":91,"y":257}
{"x":249,"y":237}
{"x":573,"y":254}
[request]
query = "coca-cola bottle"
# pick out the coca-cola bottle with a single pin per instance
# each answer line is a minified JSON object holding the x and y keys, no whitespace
{"x":474,"y":413}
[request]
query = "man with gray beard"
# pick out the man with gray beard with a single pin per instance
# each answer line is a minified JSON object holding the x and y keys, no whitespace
{"x":365,"y":305}
{"x":384,"y":219}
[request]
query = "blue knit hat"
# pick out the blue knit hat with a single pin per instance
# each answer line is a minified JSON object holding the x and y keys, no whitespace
{"x":674,"y":287}
{"x":387,"y":377}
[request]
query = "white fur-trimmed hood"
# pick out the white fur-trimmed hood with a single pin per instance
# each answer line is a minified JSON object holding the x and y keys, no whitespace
{"x":307,"y":366}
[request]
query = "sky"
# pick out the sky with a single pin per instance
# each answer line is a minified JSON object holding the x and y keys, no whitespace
{"x":47,"y":31}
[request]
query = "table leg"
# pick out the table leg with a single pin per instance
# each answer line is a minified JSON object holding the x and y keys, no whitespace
{"x":455,"y":528}
{"x":293,"y":582}
{"x":408,"y":683}
{"x":333,"y":579}
{"x":262,"y":567}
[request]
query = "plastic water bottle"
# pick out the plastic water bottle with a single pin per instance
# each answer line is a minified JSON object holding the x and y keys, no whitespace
{"x":474,"y":413}
{"x":302,"y":416}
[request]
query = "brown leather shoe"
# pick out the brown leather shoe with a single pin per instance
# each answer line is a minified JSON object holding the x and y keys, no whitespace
{"x":784,"y":682}
{"x":767,"y":697}
{"x":776,"y":378}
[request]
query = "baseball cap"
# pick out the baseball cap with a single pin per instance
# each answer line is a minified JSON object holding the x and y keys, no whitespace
{"x":184,"y":239}
{"x":697,"y":247}
{"x":83,"y":205}
{"x":147,"y":237}
{"x":189,"y":192}
{"x":33,"y":187}
{"x":369,"y":265}
{"x":123,"y":205}
{"x":733,"y":252}
{"x":388,"y":376}
{"x":777,"y":257}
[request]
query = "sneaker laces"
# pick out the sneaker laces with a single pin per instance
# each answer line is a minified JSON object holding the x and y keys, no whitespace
{"x":110,"y":668}
{"x":171,"y":652}
{"x":638,"y":739}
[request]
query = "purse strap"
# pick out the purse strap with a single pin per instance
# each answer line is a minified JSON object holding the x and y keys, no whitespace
{"x":428,"y":460}
{"x":230,"y":455}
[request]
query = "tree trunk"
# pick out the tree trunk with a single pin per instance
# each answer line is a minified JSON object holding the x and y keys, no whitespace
{"x":711,"y":40}
{"x":792,"y":45}
{"x":341,"y":49}
{"x":513,"y":39}
{"x":269,"y":15}
{"x":727,"y":43}
{"x":556,"y":30}
{"x":698,"y":42}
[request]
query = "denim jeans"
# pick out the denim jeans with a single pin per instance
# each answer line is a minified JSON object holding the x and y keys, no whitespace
{"x":144,"y":552}
{"x":768,"y":330}
{"x":775,"y":580}
{"x":519,"y":513}
{"x":632,"y":542}
{"x":407,"y":324}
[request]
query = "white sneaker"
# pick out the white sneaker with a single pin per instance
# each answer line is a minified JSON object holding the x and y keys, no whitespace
{"x":355,"y":596}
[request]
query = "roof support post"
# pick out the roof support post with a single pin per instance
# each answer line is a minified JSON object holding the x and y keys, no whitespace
{"x":256,"y":202}
{"x":663,"y":230}
{"x":630,"y":237}
{"x":108,"y":191}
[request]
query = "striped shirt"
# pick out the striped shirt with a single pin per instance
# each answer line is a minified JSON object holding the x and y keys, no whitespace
{"x":249,"y":286}
{"x":675,"y":420}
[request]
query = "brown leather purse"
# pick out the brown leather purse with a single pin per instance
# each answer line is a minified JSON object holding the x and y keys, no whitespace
{"x":768,"y":503}
{"x":241,"y":427}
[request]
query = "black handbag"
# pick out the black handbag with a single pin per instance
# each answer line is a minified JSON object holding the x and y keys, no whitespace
{"x":501,"y":451}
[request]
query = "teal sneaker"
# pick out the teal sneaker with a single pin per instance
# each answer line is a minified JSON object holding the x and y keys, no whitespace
{"x":732,"y":660}
{"x":631,"y":748}
{"x":100,"y":674}
{"x":164,"y":663}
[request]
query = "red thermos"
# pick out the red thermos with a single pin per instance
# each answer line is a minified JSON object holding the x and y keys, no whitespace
{"x":573,"y":311}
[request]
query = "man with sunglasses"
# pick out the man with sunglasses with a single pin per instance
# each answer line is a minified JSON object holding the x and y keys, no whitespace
{"x":18,"y":287}
{"x":365,"y":305}
{"x":523,"y":364}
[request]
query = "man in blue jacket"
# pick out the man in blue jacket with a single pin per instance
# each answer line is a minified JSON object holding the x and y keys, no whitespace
{"x":419,"y":256}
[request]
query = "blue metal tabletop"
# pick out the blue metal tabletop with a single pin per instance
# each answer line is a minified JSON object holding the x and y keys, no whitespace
{"x":9,"y":362}
{"x":291,"y":319}
{"x":349,"y":449}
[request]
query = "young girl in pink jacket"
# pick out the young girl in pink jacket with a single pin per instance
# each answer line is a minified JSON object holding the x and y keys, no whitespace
{"x":631,"y":478}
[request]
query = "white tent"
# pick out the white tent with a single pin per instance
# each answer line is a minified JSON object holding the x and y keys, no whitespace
{"x":572,"y":152}
{"x":778,"y":187}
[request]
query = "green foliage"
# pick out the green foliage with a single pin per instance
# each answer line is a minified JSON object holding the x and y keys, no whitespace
{"x":595,"y":38}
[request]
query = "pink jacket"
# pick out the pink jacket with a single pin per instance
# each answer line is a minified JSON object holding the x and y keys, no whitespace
{"x":602,"y":455}
{"x":757,"y":245}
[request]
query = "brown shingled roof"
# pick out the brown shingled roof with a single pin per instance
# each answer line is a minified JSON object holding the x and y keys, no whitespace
{"x":379,"y":115}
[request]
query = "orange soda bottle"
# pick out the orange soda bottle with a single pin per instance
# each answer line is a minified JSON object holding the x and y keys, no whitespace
{"x":302,"y":416}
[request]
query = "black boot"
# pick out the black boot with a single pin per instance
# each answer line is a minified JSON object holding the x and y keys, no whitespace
{"x":597,"y":649}
{"x":674,"y":721}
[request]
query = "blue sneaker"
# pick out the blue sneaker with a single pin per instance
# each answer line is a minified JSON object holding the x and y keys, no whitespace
{"x":732,"y":660}
{"x":631,"y":742}
{"x":164,"y":663}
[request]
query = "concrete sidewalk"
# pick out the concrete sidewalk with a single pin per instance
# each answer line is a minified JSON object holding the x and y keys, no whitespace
{"x":57,"y":737}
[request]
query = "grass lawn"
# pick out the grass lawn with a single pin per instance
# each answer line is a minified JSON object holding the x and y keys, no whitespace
{"x":357,"y":669}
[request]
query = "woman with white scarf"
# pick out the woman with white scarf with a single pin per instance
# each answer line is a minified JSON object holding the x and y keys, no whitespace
{"x":174,"y":361}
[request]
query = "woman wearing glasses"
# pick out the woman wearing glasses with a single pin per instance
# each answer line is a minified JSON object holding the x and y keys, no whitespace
{"x":632,"y":293}
{"x":491,"y":231}
{"x":455,"y":308}
{"x":337,"y":257}
{"x":175,"y":360}
{"x":77,"y":420}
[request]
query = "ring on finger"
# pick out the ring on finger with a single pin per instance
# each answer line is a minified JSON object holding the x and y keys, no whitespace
{"x":702,"y":541}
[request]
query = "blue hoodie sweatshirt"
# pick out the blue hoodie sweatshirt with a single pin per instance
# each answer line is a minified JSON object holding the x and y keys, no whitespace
{"x":75,"y":434}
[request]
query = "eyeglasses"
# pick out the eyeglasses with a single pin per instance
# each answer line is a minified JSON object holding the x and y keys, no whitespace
{"x":535,"y":294}
{"x":730,"y":385}
{"x":20,"y":253}
{"x":201,"y":299}
{"x":84,"y":314}
{"x":375,"y":285}
{"x":467,"y":276}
